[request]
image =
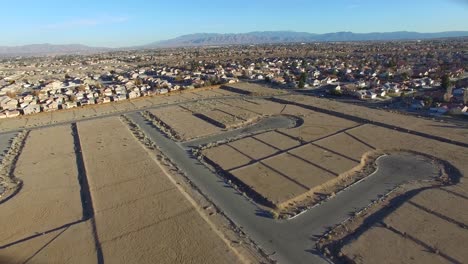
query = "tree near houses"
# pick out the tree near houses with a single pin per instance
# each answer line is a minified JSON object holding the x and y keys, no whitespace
{"x":445,"y":83}
{"x":302,"y":80}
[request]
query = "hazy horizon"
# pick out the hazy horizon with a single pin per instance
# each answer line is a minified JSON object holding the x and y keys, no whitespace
{"x":121,"y":24}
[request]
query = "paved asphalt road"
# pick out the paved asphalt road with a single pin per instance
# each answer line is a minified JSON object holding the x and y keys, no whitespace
{"x":293,"y":240}
{"x":265,"y":124}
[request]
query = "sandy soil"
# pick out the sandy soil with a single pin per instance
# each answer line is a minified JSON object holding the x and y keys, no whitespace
{"x":299,"y":171}
{"x":277,"y":140}
{"x":13,"y":123}
{"x":346,"y":145}
{"x":184,"y":123}
{"x":288,"y":178}
{"x":48,"y":200}
{"x":208,"y":93}
{"x":252,"y":89}
{"x":327,"y":160}
{"x":268,"y":183}
{"x":224,"y":113}
{"x":246,"y":115}
{"x":431,"y":222}
{"x":85,"y":112}
{"x":317,"y":125}
{"x":430,"y":229}
{"x":226,"y":157}
{"x":252,"y":148}
{"x":380,"y":245}
{"x":261,"y":106}
{"x":419,"y":124}
{"x":73,"y":244}
{"x":224,"y":92}
{"x":64,"y":115}
{"x":222,"y":119}
{"x":149,"y":218}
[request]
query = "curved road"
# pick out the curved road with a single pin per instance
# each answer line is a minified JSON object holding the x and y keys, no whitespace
{"x":264,"y":124}
{"x":293,"y":240}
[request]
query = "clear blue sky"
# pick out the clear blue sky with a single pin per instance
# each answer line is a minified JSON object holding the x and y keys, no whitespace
{"x":116,"y":23}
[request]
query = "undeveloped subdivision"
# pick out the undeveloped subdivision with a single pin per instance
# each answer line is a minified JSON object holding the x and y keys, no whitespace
{"x":140,"y":214}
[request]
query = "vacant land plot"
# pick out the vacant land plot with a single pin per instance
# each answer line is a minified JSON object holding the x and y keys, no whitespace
{"x":243,"y":114}
{"x":345,"y":145}
{"x":430,"y":226}
{"x":380,"y":245}
{"x":184,"y":123}
{"x":252,"y":148}
{"x":451,"y":131}
{"x":208,"y":93}
{"x":277,"y":140}
{"x":325,"y":159}
{"x":300,"y":170}
{"x":318,"y":125}
{"x":140,"y":214}
{"x":430,"y":229}
{"x":13,"y":123}
{"x":414,"y":230}
{"x":281,"y":178}
{"x":251,"y":89}
{"x":269,"y":183}
{"x":262,"y":106}
{"x":224,"y":114}
{"x":226,"y":157}
{"x":49,"y":204}
{"x":221,"y":118}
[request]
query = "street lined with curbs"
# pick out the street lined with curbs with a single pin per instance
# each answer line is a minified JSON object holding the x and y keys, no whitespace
{"x":293,"y":240}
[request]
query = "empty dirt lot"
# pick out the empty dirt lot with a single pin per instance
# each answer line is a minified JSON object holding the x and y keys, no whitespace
{"x":114,"y":204}
{"x":43,"y":223}
{"x":430,"y":223}
{"x":292,"y":163}
{"x":140,"y":214}
{"x":184,"y":124}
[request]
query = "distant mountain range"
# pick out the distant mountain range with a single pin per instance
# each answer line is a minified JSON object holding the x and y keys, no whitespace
{"x":214,"y":39}
{"x":209,"y":39}
{"x":49,"y":49}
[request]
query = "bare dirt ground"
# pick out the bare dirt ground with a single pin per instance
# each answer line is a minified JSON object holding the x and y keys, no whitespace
{"x":428,"y":225}
{"x":282,"y":168}
{"x":277,"y":140}
{"x":223,"y":113}
{"x":409,"y":122}
{"x":198,"y":119}
{"x":183,"y":123}
{"x":43,"y":223}
{"x":318,"y":125}
{"x":141,"y":216}
{"x":252,"y":89}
